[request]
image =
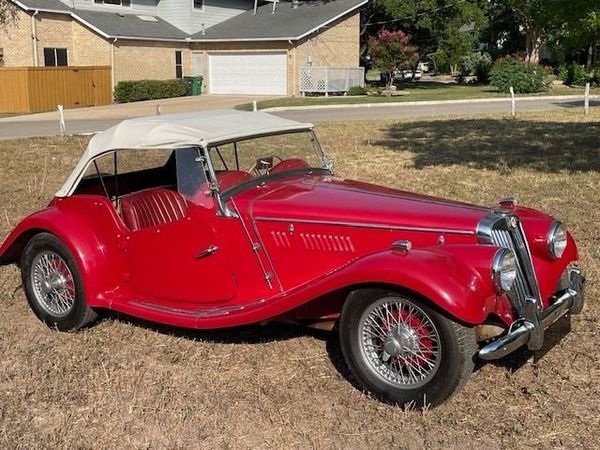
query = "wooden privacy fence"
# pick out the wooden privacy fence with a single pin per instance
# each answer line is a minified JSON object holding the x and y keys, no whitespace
{"x":35,"y":89}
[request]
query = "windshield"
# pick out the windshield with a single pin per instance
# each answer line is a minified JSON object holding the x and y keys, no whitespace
{"x":243,"y":161}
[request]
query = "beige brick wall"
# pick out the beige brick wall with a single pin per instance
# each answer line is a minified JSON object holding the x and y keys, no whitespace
{"x":54,"y":30}
{"x":89,"y":49}
{"x":16,"y":43}
{"x":84,"y":47}
{"x":139,"y":60}
{"x":336,"y":46}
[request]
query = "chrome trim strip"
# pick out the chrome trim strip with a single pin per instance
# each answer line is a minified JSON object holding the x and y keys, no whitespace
{"x":363,"y":225}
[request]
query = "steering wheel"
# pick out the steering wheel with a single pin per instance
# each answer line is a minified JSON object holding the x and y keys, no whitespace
{"x":263,"y":166}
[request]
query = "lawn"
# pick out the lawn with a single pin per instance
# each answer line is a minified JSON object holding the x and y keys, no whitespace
{"x":411,"y":92}
{"x":124,"y":383}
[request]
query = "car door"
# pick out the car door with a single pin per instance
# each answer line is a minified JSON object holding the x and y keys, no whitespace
{"x":180,"y":261}
{"x":173,"y":250}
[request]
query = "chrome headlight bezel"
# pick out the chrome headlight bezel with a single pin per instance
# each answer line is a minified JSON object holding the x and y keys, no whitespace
{"x":556,"y":241}
{"x":504,"y":270}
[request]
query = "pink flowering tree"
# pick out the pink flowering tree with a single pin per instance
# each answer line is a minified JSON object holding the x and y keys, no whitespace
{"x":391,"y":51}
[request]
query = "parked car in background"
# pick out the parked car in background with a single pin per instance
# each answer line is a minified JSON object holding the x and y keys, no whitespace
{"x":408,"y":74}
{"x":219,"y":219}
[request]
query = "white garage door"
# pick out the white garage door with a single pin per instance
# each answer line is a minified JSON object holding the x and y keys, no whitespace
{"x":248,"y":73}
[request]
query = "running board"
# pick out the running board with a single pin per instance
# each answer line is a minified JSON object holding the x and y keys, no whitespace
{"x":196,"y":312}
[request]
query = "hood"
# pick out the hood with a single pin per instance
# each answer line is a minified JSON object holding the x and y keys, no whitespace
{"x":326,"y":199}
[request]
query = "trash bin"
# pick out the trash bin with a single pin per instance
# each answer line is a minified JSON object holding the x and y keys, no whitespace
{"x":194,"y":85}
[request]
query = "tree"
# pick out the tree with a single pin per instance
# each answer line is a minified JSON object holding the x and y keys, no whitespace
{"x":432,"y":22}
{"x":535,"y":19}
{"x":390,"y":51}
{"x":580,"y":28}
{"x":8,"y":12}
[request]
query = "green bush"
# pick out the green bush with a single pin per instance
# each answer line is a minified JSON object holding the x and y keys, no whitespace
{"x":577,"y":75}
{"x":524,"y":79}
{"x":563,"y":73}
{"x":483,"y":67}
{"x":135,"y":91}
{"x":357,"y":90}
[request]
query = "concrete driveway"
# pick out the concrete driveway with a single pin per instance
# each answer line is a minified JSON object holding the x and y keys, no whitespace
{"x":138,"y":109}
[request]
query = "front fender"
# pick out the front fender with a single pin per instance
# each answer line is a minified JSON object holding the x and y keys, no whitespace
{"x":456,"y":278}
{"x":88,"y":251}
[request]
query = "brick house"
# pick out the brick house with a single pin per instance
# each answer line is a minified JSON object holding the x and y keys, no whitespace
{"x":238,"y":46}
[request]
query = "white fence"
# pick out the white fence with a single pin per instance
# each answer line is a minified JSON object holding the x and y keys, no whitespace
{"x":326,"y":80}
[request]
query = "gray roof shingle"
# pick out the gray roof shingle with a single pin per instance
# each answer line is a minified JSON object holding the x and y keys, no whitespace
{"x":130,"y":25}
{"x":44,"y":5}
{"x":286,"y":23}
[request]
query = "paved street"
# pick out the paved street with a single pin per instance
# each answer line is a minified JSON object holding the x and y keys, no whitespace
{"x":47,"y":124}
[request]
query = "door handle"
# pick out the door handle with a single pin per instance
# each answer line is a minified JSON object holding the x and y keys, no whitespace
{"x":207,"y":252}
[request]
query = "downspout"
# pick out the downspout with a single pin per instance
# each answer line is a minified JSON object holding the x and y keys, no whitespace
{"x":112,"y":63}
{"x":34,"y":39}
{"x":294,"y":74}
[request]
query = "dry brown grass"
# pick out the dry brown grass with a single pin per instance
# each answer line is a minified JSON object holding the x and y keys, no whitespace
{"x":126,"y":384}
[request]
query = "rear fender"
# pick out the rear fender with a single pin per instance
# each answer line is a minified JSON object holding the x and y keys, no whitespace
{"x":89,"y":252}
{"x":455,"y":278}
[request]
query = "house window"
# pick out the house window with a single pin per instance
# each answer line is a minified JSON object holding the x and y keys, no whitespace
{"x":55,"y":57}
{"x":114,"y":2}
{"x":199,"y":4}
{"x":178,"y":64}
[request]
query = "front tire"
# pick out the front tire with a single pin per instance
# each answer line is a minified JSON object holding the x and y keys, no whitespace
{"x":53,"y":284}
{"x":403,"y":351}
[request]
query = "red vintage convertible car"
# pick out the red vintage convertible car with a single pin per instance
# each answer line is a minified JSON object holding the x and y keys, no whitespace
{"x":219,"y":219}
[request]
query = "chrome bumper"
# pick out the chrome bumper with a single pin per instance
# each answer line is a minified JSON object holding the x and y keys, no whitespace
{"x":529,"y":330}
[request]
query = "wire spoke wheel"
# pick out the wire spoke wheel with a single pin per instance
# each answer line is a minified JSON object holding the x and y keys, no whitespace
{"x":400,"y":342}
{"x":53,"y":284}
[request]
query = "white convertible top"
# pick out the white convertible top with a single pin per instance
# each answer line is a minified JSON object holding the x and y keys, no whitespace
{"x":179,"y":130}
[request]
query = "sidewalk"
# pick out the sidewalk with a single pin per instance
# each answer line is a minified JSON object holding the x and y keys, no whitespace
{"x":138,"y":109}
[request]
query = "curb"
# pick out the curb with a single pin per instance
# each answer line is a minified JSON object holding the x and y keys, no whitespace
{"x":427,"y":103}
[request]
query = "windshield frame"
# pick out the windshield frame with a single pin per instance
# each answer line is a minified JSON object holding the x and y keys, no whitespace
{"x":224,"y":196}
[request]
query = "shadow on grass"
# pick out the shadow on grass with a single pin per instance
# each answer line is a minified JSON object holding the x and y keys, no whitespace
{"x":486,"y":143}
{"x":247,"y":334}
{"x":522,"y":356}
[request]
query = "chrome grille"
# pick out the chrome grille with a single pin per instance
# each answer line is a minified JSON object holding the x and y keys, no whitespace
{"x":521,"y":288}
{"x":504,"y":230}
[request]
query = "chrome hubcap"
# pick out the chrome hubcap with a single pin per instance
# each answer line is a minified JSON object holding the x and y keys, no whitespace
{"x":400,"y":342}
{"x":53,"y":284}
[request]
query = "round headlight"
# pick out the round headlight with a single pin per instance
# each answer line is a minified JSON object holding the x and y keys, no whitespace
{"x":504,"y":269}
{"x":557,"y":240}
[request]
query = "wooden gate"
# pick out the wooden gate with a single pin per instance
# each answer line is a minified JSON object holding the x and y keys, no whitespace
{"x":35,"y":89}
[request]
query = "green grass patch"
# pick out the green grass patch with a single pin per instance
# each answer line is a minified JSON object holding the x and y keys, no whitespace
{"x":409,"y":92}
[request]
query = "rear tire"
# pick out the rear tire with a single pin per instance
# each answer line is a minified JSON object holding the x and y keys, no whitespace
{"x":53,"y":284}
{"x":402,"y":350}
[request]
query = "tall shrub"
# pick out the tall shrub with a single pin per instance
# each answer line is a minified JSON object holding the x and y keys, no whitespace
{"x":525,"y":79}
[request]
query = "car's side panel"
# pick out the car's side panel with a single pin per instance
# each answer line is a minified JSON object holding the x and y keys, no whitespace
{"x":303,"y":251}
{"x":436,"y":274}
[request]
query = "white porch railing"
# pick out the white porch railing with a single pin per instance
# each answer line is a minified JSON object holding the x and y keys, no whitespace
{"x":326,"y":80}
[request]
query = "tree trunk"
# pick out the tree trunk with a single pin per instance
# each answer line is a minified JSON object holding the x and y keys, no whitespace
{"x":533,"y":42}
{"x":590,"y":57}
